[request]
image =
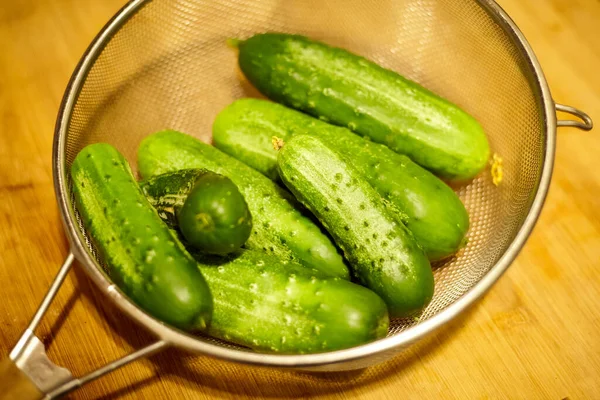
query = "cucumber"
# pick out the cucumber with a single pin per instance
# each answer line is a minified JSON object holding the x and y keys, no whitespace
{"x":144,"y":258}
{"x":278,"y":227}
{"x":383,"y":254}
{"x":214,"y":217}
{"x":351,"y":91}
{"x":284,"y":307}
{"x":431,"y":210}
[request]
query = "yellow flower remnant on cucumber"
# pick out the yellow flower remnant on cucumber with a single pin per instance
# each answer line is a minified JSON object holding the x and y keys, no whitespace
{"x":277,"y":142}
{"x":497,"y":170}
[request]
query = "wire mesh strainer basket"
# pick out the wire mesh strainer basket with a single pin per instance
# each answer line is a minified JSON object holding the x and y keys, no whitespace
{"x":165,"y":64}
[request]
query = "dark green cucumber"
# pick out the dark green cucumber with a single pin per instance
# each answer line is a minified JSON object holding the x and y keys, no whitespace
{"x":214,"y":217}
{"x":432,"y":211}
{"x":351,"y":91}
{"x":278,"y":227}
{"x":383,"y":254}
{"x":145,"y":259}
{"x":272,"y":305}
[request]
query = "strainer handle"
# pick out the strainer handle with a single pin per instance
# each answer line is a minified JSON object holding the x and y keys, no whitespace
{"x":28,"y":373}
{"x":585,"y":123}
{"x":14,"y":384}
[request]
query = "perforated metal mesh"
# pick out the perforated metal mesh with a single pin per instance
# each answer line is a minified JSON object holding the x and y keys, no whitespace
{"x":170,"y":67}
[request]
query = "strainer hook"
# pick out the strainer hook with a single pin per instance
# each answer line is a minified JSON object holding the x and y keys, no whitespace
{"x":585,"y":122}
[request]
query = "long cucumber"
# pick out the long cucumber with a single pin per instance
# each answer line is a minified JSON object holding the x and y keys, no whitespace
{"x":278,"y":306}
{"x":144,"y":258}
{"x":352,"y":91}
{"x":383,"y":254}
{"x":430,"y":208}
{"x":278,"y":226}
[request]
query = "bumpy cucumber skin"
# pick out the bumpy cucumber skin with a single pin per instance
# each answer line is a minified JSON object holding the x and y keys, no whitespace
{"x":278,"y":227}
{"x":382,"y":252}
{"x":353,"y":92}
{"x":279,"y":306}
{"x":431,"y":210}
{"x":145,"y":259}
{"x":215,"y":217}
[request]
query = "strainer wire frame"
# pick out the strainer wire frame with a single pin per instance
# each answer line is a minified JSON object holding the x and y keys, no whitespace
{"x":184,"y":340}
{"x":55,"y":381}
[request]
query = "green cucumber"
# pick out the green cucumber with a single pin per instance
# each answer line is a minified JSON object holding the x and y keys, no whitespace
{"x":432,"y":211}
{"x":278,"y":227}
{"x":278,"y":306}
{"x":214,"y":217}
{"x":145,"y":259}
{"x":383,"y":254}
{"x":351,"y":91}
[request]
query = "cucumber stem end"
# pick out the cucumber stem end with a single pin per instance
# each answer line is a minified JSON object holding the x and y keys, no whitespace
{"x":234,"y":43}
{"x":277,"y":142}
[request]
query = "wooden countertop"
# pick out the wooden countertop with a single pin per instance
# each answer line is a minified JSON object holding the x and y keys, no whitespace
{"x":535,"y":335}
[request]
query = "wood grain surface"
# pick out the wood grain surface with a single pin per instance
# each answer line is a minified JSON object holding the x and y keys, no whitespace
{"x":534,"y":336}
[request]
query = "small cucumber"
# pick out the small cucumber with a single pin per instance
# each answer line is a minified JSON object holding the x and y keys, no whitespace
{"x":278,"y":306}
{"x":432,"y":211}
{"x":278,"y":227}
{"x":382,"y":252}
{"x":145,"y":259}
{"x":351,"y":91}
{"x":214,"y":217}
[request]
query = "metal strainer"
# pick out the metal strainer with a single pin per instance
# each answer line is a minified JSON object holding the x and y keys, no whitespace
{"x":165,"y":64}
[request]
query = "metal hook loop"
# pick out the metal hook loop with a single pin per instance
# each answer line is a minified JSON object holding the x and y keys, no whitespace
{"x":587,"y":123}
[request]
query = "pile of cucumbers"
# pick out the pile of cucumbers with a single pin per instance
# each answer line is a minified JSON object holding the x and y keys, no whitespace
{"x":309,"y":223}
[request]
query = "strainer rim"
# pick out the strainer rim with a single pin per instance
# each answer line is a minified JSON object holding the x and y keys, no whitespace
{"x":183,"y":340}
